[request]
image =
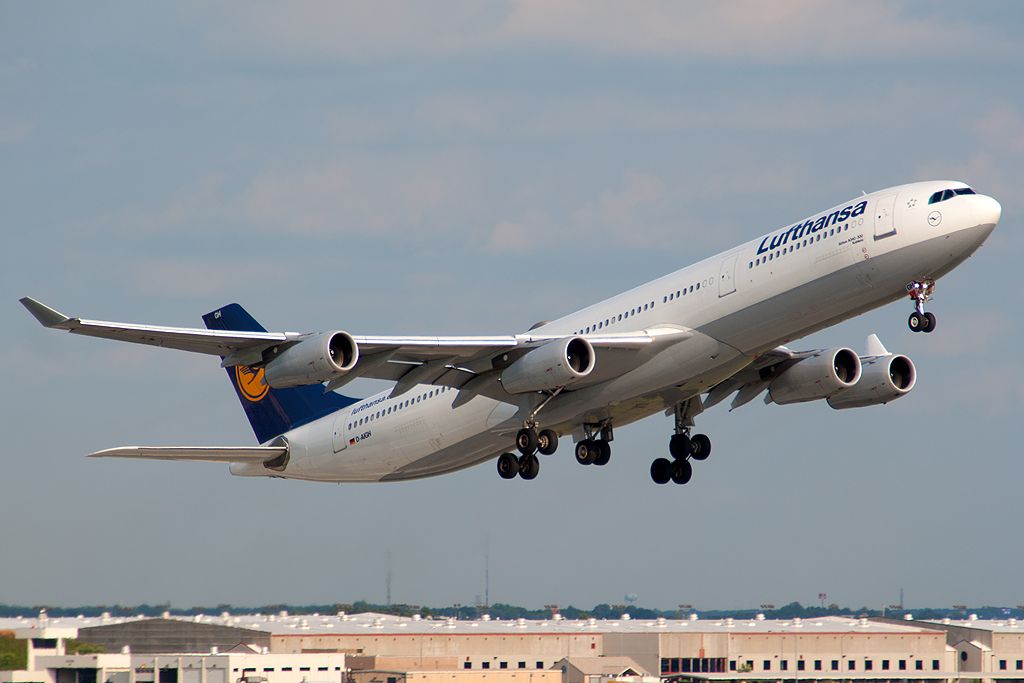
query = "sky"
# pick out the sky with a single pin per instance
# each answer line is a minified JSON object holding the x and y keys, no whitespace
{"x":472,"y":168}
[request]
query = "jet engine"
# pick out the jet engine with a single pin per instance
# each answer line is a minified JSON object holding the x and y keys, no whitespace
{"x":552,"y":365}
{"x":313,"y":360}
{"x":816,"y":377}
{"x":883,"y":379}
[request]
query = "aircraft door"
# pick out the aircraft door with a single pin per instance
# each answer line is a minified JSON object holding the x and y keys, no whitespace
{"x":885,"y":210}
{"x":341,"y":432}
{"x":727,"y":275}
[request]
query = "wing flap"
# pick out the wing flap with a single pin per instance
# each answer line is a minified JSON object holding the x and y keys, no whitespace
{"x":255,"y":454}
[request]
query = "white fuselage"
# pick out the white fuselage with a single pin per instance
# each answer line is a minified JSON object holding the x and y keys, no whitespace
{"x":732,"y":307}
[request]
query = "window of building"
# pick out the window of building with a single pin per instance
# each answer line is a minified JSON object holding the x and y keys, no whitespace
{"x":835,"y":665}
{"x":800,"y":665}
{"x":522,"y":665}
{"x":919,"y":665}
{"x":485,"y":665}
{"x":303,"y":668}
{"x":885,"y":665}
{"x":322,"y":668}
{"x":868,"y":665}
{"x":767,"y":665}
{"x":963,"y":656}
{"x":749,"y":664}
{"x":540,"y":665}
{"x":935,"y":665}
{"x":286,"y":668}
{"x":1002,"y":665}
{"x":392,"y":679}
{"x":903,"y":665}
{"x":503,"y":665}
{"x":467,"y":665}
{"x":817,"y":665}
{"x":1020,"y":664}
{"x":851,"y":665}
{"x":784,"y":665}
{"x":268,"y":668}
{"x":732,"y":665}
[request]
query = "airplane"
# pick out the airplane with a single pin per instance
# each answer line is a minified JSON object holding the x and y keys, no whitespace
{"x":679,"y":344}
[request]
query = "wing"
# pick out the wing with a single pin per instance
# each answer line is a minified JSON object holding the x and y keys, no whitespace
{"x":468,"y":363}
{"x":749,"y":382}
{"x":257,"y":454}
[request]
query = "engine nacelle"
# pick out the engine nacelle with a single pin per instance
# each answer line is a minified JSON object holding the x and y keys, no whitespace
{"x":883,"y":379}
{"x":313,"y":360}
{"x":816,"y":377}
{"x":552,"y":365}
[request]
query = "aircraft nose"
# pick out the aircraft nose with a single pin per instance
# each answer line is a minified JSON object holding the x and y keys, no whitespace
{"x":987,"y":210}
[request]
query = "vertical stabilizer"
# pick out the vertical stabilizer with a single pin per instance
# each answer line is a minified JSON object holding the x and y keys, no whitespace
{"x":271,"y":412}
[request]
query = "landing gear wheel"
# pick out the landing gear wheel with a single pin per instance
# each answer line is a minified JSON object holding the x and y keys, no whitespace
{"x":508,"y":466}
{"x":604,"y":453}
{"x":529,"y":467}
{"x":679,"y":446}
{"x":916,"y":322}
{"x":526,"y":440}
{"x":929,"y":325}
{"x":700,"y":447}
{"x":547,"y":442}
{"x":682,"y":470}
{"x":586,"y":452}
{"x":661,"y":470}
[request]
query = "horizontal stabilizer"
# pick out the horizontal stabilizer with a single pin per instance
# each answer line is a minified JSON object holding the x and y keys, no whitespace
{"x":255,"y":454}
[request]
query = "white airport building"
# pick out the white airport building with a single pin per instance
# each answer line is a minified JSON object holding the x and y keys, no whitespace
{"x":376,"y":648}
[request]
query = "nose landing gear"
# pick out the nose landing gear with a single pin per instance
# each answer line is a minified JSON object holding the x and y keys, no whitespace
{"x":920,"y":292}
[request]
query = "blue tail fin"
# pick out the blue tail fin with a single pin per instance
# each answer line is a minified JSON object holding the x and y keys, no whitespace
{"x":271,"y":412}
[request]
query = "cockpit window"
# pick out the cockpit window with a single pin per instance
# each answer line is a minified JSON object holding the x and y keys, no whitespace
{"x":943,"y":195}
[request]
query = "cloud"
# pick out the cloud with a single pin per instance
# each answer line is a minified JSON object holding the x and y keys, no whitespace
{"x":829,"y":30}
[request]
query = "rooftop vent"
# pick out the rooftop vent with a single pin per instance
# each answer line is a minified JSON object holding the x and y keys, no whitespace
{"x":759,"y":616}
{"x":165,"y":615}
{"x":592,"y":622}
{"x":972,"y":617}
{"x":798,"y":622}
{"x":486,"y":617}
{"x":283,"y":614}
{"x":729,"y":623}
{"x":557,"y":617}
{"x":693,"y":616}
{"x":863,"y":622}
{"x":520,"y":623}
{"x":125,"y":650}
{"x":1012,"y":621}
{"x":626,"y":617}
{"x":945,"y":620}
{"x":214,"y":650}
{"x":660,"y":621}
{"x":908,"y":617}
{"x":417,"y":617}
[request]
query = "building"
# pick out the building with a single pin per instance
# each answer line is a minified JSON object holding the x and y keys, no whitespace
{"x":376,"y":648}
{"x":992,"y":650}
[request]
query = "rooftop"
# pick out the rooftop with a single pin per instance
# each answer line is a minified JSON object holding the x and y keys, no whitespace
{"x":349,"y":624}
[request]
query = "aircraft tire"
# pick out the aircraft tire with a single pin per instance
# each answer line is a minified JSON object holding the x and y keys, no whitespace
{"x":604,"y":453}
{"x":547,"y":442}
{"x":700,"y":447}
{"x":679,"y":446}
{"x":526,"y":441}
{"x":661,"y":470}
{"x":529,"y":467}
{"x":508,"y":466}
{"x":929,"y":325}
{"x":586,"y":452}
{"x":916,"y":322}
{"x":682,"y":471}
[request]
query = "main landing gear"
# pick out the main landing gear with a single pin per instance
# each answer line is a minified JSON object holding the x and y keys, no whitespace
{"x":683,"y":447}
{"x":529,"y":442}
{"x":920,"y":292}
{"x":595,"y":448}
